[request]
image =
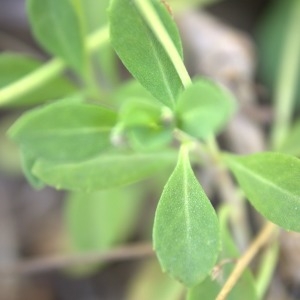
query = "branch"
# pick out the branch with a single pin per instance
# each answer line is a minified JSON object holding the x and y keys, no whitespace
{"x":48,"y":71}
{"x":264,"y":236}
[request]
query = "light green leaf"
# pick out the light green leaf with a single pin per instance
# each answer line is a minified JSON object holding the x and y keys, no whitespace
{"x":58,"y":28}
{"x":210,"y":288}
{"x":291,"y":144}
{"x":10,"y":163}
{"x":149,"y":139}
{"x":108,"y":170}
{"x":94,"y":16}
{"x":137,"y":46}
{"x":271,"y":183}
{"x":132,"y":89}
{"x":186,"y":231}
{"x":64,"y":131}
{"x":143,"y":121}
{"x":139,"y":111}
{"x":27,"y":161}
{"x":101,"y":220}
{"x":94,"y":13}
{"x":271,"y":39}
{"x":204,"y":108}
{"x":14,"y":66}
{"x":150,"y":283}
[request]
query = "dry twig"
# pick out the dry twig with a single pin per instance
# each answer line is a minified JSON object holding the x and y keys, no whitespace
{"x":44,"y":264}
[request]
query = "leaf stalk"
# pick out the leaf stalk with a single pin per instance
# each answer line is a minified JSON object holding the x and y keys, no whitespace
{"x":48,"y":71}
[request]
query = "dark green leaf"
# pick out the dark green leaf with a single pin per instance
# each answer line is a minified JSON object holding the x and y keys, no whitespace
{"x":271,"y":183}
{"x":142,"y":53}
{"x":186,"y":231}
{"x":204,"y":108}
{"x":108,"y":170}
{"x":57,"y":26}
{"x":15,"y":66}
{"x":64,"y":131}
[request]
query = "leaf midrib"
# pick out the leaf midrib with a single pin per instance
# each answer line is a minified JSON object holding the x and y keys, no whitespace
{"x":186,"y":203}
{"x":66,"y":132}
{"x":268,"y":182}
{"x":161,"y":69}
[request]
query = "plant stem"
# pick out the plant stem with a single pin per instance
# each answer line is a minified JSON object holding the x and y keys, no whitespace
{"x":48,"y":71}
{"x":268,"y":262}
{"x":264,"y":237}
{"x":156,"y":25}
{"x":229,"y":193}
{"x":285,"y":88}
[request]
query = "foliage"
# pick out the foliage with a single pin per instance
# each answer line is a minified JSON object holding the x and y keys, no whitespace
{"x":97,"y":143}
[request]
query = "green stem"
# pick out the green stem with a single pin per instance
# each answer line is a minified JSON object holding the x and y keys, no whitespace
{"x":266,"y":269}
{"x":287,"y":79}
{"x":156,"y":25}
{"x":48,"y":71}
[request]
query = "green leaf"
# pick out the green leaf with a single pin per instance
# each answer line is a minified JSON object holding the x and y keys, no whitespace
{"x":291,"y":144}
{"x":108,"y":170}
{"x":137,"y":46}
{"x":149,"y":139}
{"x":64,"y":131}
{"x":271,"y":183}
{"x":132,"y":89}
{"x":209,"y":288}
{"x":139,"y":111}
{"x":94,"y":13}
{"x":57,"y":27}
{"x":204,"y":108}
{"x":15,"y":66}
{"x":186,"y":230}
{"x":28,"y":160}
{"x":145,"y":126}
{"x":103,"y":219}
{"x":10,"y":163}
{"x":271,"y":37}
{"x":150,"y":283}
{"x":94,"y":16}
